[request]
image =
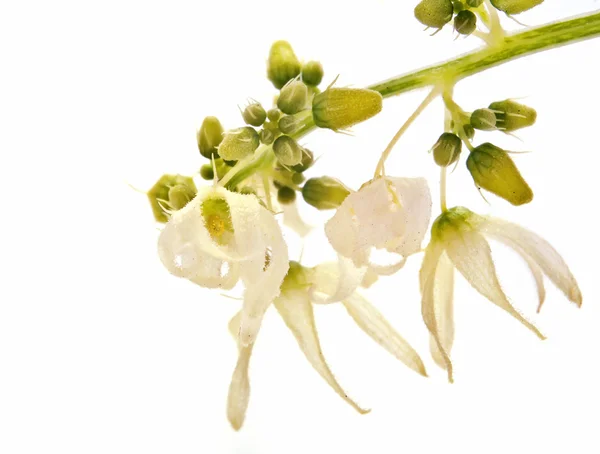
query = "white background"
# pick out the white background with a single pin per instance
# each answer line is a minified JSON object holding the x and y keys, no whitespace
{"x":102,"y":351}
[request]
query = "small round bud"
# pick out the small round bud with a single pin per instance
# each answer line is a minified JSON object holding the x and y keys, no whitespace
{"x":312,"y":73}
{"x":207,"y":172}
{"x":515,"y":6}
{"x":434,"y":13}
{"x":283,"y":65}
{"x":287,"y":151}
{"x":293,"y":97}
{"x":286,"y":195}
{"x":341,"y":108}
{"x":447,"y":149}
{"x":298,"y":178}
{"x":209,"y":136}
{"x":163,"y":199}
{"x":465,"y":22}
{"x":493,"y":170}
{"x":267,"y":136}
{"x":474,"y":3}
{"x":254,"y":114}
{"x":239,"y":143}
{"x":483,"y":119}
{"x":511,"y":115}
{"x":289,"y":124}
{"x":307,"y":161}
{"x":469,"y":131}
{"x":274,"y":115}
{"x":458,"y":6}
{"x":180,"y":195}
{"x":324,"y":193}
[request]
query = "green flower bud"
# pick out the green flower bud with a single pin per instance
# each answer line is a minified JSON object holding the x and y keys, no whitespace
{"x":474,"y":3}
{"x":209,"y":136}
{"x":239,"y":143}
{"x":493,"y":170}
{"x":434,"y":13}
{"x":267,"y":136}
{"x":515,"y":6}
{"x":341,"y":108}
{"x":283,"y":65}
{"x":483,"y":119}
{"x":447,"y":149}
{"x":286,"y":195}
{"x":458,"y":6}
{"x":511,"y":115}
{"x":324,"y":193}
{"x":465,"y":22}
{"x":274,"y":115}
{"x":287,"y":151}
{"x":307,"y":161}
{"x":162,"y":199}
{"x":254,"y":114}
{"x":298,"y":178}
{"x":454,"y":220}
{"x":469,"y":131}
{"x":293,"y":97}
{"x":207,"y":172}
{"x":289,"y":124}
{"x":312,"y":73}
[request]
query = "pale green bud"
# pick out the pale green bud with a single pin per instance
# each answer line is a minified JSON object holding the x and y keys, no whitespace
{"x":456,"y":219}
{"x":239,"y":143}
{"x":324,"y":193}
{"x":469,"y":131}
{"x":465,"y":22}
{"x":458,"y":6}
{"x":274,"y":115}
{"x":254,"y":114}
{"x":287,"y":151}
{"x":434,"y":13}
{"x":298,"y":178}
{"x":209,"y":136}
{"x":307,"y":161}
{"x":267,"y":136}
{"x":474,"y":3}
{"x":293,"y":97}
{"x":283,"y":65}
{"x":207,"y":172}
{"x":312,"y":73}
{"x":289,"y":124}
{"x":510,"y":115}
{"x":493,"y":170}
{"x":286,"y":195}
{"x":515,"y":6}
{"x":483,"y":119}
{"x":162,"y":198}
{"x":341,"y":108}
{"x":447,"y":149}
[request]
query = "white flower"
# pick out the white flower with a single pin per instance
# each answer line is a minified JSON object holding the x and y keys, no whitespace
{"x":387,"y":213}
{"x":295,"y":307}
{"x":221,"y":237}
{"x":458,"y":240}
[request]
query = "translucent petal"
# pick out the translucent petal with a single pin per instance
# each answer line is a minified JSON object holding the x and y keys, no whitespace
{"x":292,"y":219}
{"x":296,"y":310}
{"x":443,"y":297}
{"x":372,"y":322}
{"x":428,"y":309}
{"x":335,"y":282}
{"x":539,"y":250}
{"x":470,"y":253}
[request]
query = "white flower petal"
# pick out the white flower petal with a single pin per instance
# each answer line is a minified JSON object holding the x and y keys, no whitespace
{"x":292,"y":219}
{"x":372,"y":322}
{"x":333,"y":283}
{"x":428,"y":308}
{"x":297,"y":313}
{"x":443,"y":300}
{"x":539,"y":250}
{"x":470,"y":253}
{"x":387,"y":270}
{"x":342,"y":231}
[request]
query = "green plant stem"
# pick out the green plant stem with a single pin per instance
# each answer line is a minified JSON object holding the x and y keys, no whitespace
{"x":534,"y":40}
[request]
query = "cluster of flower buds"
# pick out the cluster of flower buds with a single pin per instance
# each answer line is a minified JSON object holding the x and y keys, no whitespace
{"x":437,"y":13}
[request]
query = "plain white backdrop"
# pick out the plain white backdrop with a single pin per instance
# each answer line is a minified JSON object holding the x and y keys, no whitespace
{"x":102,"y":351}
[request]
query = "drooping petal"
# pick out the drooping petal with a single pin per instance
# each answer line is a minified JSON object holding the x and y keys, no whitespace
{"x":296,"y":310}
{"x":335,"y":282}
{"x":428,"y":309}
{"x":471,"y":255}
{"x":372,"y":322}
{"x":239,"y":388}
{"x":292,"y":219}
{"x":539,"y":250}
{"x":443,"y":300}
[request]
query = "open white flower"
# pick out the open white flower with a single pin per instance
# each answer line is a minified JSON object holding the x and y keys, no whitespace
{"x":295,"y":307}
{"x":386,"y":213}
{"x":458,"y":240}
{"x":221,"y":237}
